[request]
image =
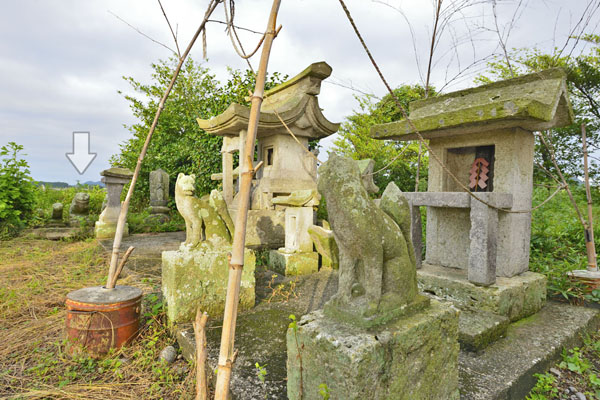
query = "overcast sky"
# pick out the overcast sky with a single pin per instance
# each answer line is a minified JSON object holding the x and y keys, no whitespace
{"x":63,"y":60}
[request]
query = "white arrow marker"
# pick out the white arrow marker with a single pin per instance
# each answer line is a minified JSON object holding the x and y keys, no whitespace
{"x":81,"y":158}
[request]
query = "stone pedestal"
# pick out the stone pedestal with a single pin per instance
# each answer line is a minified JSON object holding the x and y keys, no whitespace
{"x":293,"y":263}
{"x":415,"y":357}
{"x":198,"y":277}
{"x":114,"y":179}
{"x":517,"y":297}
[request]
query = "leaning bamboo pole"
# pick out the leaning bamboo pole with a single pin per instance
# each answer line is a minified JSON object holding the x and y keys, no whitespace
{"x":111,"y":280}
{"x":589,"y":232}
{"x":236,"y":262}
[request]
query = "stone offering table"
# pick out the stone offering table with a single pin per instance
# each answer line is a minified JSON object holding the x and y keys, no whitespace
{"x":114,"y":179}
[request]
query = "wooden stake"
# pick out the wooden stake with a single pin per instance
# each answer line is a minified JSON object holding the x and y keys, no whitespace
{"x":121,"y":265}
{"x":236,"y":263}
{"x":200,"y":335}
{"x":125,"y":206}
{"x":589,"y":232}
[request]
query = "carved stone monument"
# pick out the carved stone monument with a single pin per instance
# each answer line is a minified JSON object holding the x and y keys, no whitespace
{"x":378,"y":337}
{"x":114,"y":179}
{"x":197,"y":273}
{"x":159,"y":196}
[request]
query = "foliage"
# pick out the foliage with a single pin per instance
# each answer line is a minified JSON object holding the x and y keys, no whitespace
{"x":17,"y":199}
{"x":178,"y":144}
{"x":557,"y":241}
{"x":47,"y":196}
{"x":544,"y":387}
{"x":356,"y":142}
{"x":583,"y":79}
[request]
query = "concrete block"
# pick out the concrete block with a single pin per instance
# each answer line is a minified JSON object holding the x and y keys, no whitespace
{"x":198,"y":277}
{"x":413,"y":358}
{"x":479,"y":329}
{"x":297,"y":263}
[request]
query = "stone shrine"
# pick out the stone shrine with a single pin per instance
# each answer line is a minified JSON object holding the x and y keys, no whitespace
{"x":377,"y":337}
{"x":114,"y":179}
{"x":284,"y":196}
{"x":477,"y":251}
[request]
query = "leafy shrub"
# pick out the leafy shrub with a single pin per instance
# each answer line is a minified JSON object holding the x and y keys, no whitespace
{"x":17,"y":191}
{"x":46,"y":196}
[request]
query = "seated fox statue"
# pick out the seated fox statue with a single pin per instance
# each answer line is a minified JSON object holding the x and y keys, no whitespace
{"x":207,"y":218}
{"x":377,"y":272}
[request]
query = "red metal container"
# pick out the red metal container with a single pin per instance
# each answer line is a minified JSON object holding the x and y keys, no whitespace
{"x":99,"y":319}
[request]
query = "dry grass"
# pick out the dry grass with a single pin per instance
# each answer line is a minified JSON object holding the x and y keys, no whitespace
{"x":36,"y":276}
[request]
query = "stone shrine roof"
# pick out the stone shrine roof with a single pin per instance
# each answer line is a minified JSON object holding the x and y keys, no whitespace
{"x":296,"y":102}
{"x":117,"y":172}
{"x":533,"y":102}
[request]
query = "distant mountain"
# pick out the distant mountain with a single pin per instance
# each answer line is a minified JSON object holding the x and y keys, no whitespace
{"x":91,"y":183}
{"x":63,"y":185}
{"x":57,"y":185}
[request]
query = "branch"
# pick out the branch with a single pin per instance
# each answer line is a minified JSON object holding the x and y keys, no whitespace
{"x":140,"y":32}
{"x":170,"y":28}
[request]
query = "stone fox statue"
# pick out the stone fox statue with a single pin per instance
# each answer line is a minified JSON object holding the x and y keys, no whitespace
{"x":206,"y":218}
{"x":377,"y":271}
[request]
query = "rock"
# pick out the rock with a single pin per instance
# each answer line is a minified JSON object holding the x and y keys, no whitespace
{"x":57,"y":211}
{"x":572,"y":389}
{"x":168,"y":354}
{"x":580,"y":396}
{"x":555,"y":372}
{"x":325,"y":244}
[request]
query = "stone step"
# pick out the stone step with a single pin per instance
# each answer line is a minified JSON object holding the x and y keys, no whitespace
{"x":478,"y":329}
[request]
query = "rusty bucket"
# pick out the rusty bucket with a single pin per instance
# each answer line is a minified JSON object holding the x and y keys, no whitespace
{"x":99,"y":319}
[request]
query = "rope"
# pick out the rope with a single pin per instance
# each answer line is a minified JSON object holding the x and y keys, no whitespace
{"x":231,"y":28}
{"x":414,"y":128}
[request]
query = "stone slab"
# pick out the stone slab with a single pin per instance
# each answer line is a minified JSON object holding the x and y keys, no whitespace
{"x":261,"y":337}
{"x":54,"y":233}
{"x":478,"y":329}
{"x":516,"y":297}
{"x":504,"y":370}
{"x":291,"y":264}
{"x":198,"y":277}
{"x":413,"y":358}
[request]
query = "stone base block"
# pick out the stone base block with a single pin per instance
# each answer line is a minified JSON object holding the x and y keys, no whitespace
{"x":157,"y":219}
{"x":55,"y":233}
{"x":517,"y":297}
{"x":413,"y":358}
{"x":289,"y":264}
{"x":478,"y":329}
{"x":198,"y":277}
{"x":105,"y":230}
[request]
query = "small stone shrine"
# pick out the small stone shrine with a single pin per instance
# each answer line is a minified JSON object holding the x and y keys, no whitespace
{"x":284,"y":196}
{"x":56,"y":219}
{"x":79,"y":210}
{"x":159,"y":196}
{"x":114,"y":179}
{"x":196,"y":275}
{"x":477,"y":252}
{"x":377,"y":338}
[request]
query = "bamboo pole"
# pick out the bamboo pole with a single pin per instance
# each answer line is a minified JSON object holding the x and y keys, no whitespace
{"x":200,"y":335}
{"x":110,"y":284}
{"x":589,"y":232}
{"x":236,"y":262}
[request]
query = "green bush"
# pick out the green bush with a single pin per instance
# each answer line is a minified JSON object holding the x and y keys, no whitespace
{"x":46,"y":196}
{"x":17,"y":191}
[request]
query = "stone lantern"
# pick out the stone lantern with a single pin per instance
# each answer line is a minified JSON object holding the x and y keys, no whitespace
{"x":114,"y":179}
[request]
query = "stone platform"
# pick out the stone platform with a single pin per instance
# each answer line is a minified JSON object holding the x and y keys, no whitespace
{"x":502,"y":371}
{"x":517,"y":297}
{"x":148,"y":249}
{"x":296,"y":263}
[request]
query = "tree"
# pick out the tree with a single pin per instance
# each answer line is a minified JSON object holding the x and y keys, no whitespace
{"x":583,"y":79}
{"x":398,"y":159}
{"x":178,"y":144}
{"x":17,"y":191}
